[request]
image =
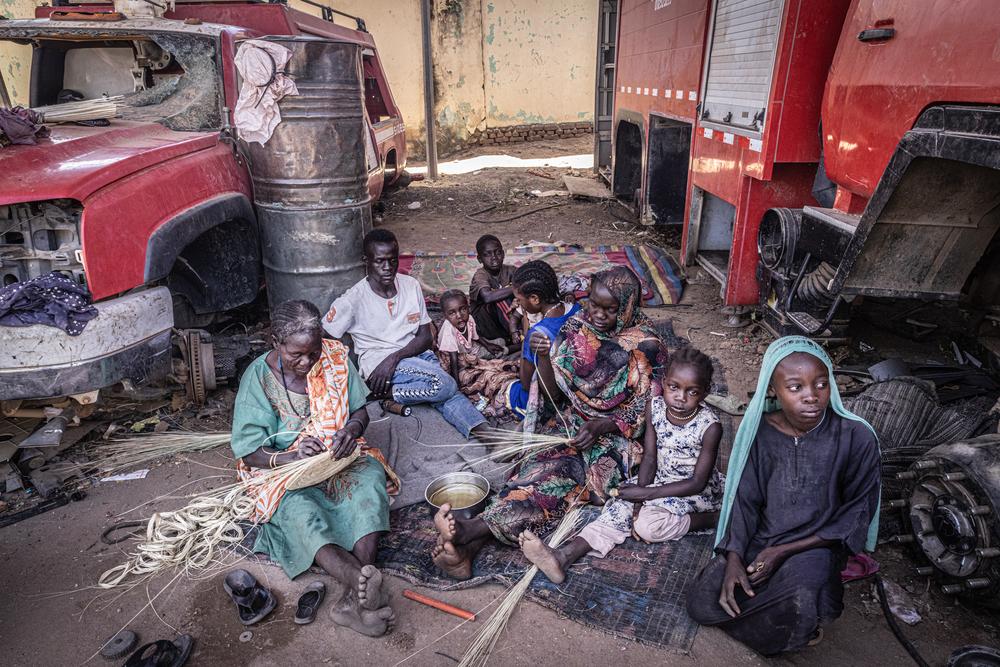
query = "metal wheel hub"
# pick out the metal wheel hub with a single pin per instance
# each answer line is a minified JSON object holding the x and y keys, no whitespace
{"x":945,"y":528}
{"x":953,"y":525}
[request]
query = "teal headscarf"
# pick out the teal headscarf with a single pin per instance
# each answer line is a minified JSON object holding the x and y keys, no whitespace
{"x":747,"y":432}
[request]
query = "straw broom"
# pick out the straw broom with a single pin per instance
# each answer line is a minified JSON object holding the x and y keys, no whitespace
{"x":70,"y":112}
{"x":482,"y":645}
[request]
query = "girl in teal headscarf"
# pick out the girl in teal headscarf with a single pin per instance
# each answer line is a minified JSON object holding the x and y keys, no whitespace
{"x":802,"y":494}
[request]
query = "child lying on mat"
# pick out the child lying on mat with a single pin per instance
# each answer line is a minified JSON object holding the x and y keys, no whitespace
{"x":678,"y":489}
{"x":458,"y":335}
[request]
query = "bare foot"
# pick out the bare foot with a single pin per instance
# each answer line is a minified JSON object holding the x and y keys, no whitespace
{"x":453,"y":561}
{"x":370,"y":592}
{"x":444,"y":521}
{"x":349,"y":614}
{"x":543,"y":556}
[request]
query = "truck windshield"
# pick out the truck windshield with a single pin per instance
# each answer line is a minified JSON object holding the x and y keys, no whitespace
{"x":173,"y":79}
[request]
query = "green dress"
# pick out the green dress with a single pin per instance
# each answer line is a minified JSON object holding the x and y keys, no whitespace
{"x":307,"y":519}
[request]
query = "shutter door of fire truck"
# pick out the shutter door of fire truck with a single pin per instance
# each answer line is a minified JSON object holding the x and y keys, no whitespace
{"x":736,"y":87}
{"x":744,"y":37}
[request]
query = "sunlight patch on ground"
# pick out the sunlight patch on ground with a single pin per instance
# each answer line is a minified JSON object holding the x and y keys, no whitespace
{"x":469,"y":165}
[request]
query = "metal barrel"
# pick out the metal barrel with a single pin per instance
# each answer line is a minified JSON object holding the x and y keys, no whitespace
{"x":310,"y":178}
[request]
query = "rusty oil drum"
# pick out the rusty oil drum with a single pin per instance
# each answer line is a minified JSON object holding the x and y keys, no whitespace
{"x":310,"y":179}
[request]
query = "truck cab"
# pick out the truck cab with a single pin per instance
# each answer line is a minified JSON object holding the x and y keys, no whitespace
{"x":154,"y":211}
{"x":911,"y":148}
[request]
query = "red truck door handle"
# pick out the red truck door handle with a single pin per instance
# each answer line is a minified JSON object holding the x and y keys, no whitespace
{"x":876,"y":34}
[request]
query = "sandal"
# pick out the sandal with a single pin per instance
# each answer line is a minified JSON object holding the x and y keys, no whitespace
{"x":162,"y":653}
{"x":253,"y":601}
{"x":310,"y":601}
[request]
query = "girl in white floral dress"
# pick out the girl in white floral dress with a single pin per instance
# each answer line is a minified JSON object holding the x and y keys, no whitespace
{"x":678,"y":488}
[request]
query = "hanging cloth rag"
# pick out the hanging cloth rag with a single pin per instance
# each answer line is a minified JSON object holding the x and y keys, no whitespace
{"x":747,"y":432}
{"x":261,"y":65}
{"x":52,"y":299}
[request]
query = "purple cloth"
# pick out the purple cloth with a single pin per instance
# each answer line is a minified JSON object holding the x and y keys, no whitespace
{"x":21,"y":126}
{"x":52,"y":299}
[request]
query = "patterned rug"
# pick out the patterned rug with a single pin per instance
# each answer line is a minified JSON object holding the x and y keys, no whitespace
{"x":636,"y":593}
{"x":662,"y":277}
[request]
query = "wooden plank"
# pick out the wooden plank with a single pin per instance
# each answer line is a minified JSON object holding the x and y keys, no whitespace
{"x":587,"y":188}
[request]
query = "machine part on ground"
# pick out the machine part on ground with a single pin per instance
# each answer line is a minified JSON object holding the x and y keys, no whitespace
{"x":209,"y":360}
{"x":974,"y":656}
{"x":120,"y":645}
{"x":737,"y":317}
{"x":953,"y":515}
{"x":311,"y":179}
{"x":198,"y":355}
{"x":51,"y":433}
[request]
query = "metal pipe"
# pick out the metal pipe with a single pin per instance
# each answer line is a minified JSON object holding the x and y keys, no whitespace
{"x":431,"y":142}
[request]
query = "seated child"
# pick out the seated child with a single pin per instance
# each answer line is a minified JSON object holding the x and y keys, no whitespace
{"x":536,"y":289}
{"x":803,"y":494}
{"x":678,"y":488}
{"x":459,"y":335}
{"x":491,"y":295}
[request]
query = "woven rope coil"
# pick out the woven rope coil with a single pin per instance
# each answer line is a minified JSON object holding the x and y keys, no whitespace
{"x":189,"y":538}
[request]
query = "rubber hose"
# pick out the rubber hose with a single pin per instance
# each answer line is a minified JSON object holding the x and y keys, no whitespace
{"x":891,"y":620}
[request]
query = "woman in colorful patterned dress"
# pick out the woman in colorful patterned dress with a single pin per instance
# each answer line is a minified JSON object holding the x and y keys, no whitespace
{"x":603,"y":363}
{"x":678,"y":488}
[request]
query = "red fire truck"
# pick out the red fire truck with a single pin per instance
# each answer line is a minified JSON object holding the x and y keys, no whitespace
{"x":816,"y":150}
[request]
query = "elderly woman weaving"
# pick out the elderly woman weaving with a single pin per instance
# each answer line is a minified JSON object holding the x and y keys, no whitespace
{"x":304,"y":398}
{"x":604,"y":362}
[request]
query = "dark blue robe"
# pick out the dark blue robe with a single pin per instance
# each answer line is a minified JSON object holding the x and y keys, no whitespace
{"x":827,"y":485}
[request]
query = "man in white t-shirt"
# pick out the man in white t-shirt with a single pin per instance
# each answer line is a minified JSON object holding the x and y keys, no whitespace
{"x":387,"y":318}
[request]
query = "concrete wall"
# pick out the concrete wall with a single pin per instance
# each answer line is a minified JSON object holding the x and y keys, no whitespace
{"x":540,"y":60}
{"x":496,"y":62}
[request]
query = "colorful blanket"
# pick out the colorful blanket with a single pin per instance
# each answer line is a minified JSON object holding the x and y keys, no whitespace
{"x":637,"y":592}
{"x":662,"y":278}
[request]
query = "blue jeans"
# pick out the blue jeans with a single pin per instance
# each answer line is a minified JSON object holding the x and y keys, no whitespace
{"x":421,"y":379}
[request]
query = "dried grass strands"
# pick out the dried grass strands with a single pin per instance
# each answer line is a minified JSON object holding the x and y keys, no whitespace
{"x":192,"y":538}
{"x":519,"y":446}
{"x":102,"y":108}
{"x":485,"y":640}
{"x":120,"y":453}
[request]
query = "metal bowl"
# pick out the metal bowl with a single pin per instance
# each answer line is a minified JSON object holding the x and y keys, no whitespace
{"x":466,"y":491}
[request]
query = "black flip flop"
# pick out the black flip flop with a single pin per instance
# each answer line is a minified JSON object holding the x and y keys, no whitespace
{"x":310,"y":601}
{"x":253,"y":601}
{"x":162,"y":653}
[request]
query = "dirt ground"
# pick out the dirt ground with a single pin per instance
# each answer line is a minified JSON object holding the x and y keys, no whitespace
{"x":52,"y":615}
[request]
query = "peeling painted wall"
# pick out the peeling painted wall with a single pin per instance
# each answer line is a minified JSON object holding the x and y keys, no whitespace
{"x":15,"y":59}
{"x":539,"y":58}
{"x":458,"y":72}
{"x":496,"y":62}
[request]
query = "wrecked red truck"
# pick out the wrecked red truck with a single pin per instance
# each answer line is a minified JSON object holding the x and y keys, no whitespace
{"x":155,"y":213}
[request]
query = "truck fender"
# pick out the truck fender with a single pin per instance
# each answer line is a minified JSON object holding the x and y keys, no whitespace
{"x":169,"y":240}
